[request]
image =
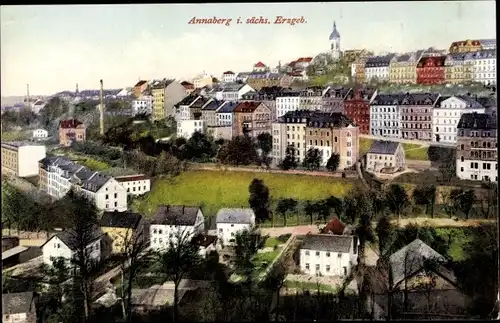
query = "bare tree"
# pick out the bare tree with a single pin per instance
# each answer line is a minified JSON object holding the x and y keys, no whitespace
{"x":179,"y":258}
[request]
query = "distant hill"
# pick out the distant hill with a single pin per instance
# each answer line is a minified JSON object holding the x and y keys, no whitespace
{"x":11,"y":100}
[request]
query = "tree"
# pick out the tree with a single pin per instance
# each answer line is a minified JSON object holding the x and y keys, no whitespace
{"x":259,"y":200}
{"x":335,"y":205}
{"x":52,"y":111}
{"x":177,"y":261}
{"x":284,"y":206}
{"x":246,"y":246}
{"x":333,"y":162}
{"x":290,"y":161}
{"x":310,"y":210}
{"x":463,"y":200}
{"x":166,"y":164}
{"x":448,"y":167}
{"x":312,"y":160}
{"x":383,"y":229}
{"x":239,"y":151}
{"x":397,"y":199}
{"x":265,"y":144}
{"x":488,"y":202}
{"x":425,"y":195}
{"x":198,"y":148}
{"x":378,"y":203}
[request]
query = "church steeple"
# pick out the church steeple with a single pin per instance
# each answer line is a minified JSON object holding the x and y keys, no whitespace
{"x":335,"y":42}
{"x":335,"y":34}
{"x":76,"y":90}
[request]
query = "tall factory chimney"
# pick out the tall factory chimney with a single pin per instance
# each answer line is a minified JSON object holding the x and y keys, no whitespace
{"x":101,"y":111}
{"x":28,"y":95}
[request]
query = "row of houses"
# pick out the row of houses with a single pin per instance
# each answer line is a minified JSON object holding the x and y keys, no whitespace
{"x":428,"y":67}
{"x":58,"y":175}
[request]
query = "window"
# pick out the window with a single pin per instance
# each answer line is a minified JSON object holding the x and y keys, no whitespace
{"x":107,"y":196}
{"x":317,"y":253}
{"x":116,"y":195}
{"x":307,"y":266}
{"x":328,"y":268}
{"x":339,"y":255}
{"x":307,"y":252}
{"x":116,"y":204}
{"x":317,"y":267}
{"x":160,"y":231}
{"x":221,"y":230}
{"x":328,"y":254}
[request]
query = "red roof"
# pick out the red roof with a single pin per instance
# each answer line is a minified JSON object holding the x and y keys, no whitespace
{"x":131,"y":178}
{"x":248,"y":106}
{"x":259,"y":64}
{"x":304,"y":60}
{"x":69,"y":124}
{"x":335,"y":226}
{"x":228,"y":72}
{"x":140,"y":83}
{"x":187,"y":85}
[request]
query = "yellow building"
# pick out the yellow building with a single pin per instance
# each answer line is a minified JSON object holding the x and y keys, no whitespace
{"x":123,"y":228}
{"x":403,"y":68}
{"x":202,"y":81}
{"x":21,"y":159}
{"x":458,"y":70}
{"x":465,"y":46}
{"x":158,"y":92}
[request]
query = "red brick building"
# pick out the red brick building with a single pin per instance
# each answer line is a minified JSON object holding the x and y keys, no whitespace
{"x":71,"y":130}
{"x":357,"y":108}
{"x":430,"y":70}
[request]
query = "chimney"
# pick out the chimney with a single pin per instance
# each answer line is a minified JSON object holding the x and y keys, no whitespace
{"x":101,"y":111}
{"x":183,"y":207}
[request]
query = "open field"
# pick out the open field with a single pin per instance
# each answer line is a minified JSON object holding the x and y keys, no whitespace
{"x":85,"y":160}
{"x":15,"y":135}
{"x":412,"y":151}
{"x":214,"y":190}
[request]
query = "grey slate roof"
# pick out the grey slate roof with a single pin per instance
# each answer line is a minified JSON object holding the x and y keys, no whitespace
{"x":335,"y":33}
{"x":328,"y":242}
{"x":488,"y":42}
{"x":403,"y":58}
{"x":212,"y":105}
{"x":475,"y":120}
{"x":175,"y":215}
{"x":228,"y":107}
{"x":236,"y":215}
{"x":16,"y":303}
{"x":127,"y":220}
{"x":69,"y":237}
{"x":383,"y":147}
{"x":379,"y":61}
{"x":419,"y":98}
{"x":490,"y":53}
{"x":329,"y":120}
{"x":95,"y":183}
{"x":415,"y":255}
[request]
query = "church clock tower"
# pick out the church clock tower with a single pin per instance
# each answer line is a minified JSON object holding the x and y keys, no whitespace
{"x":335,"y":43}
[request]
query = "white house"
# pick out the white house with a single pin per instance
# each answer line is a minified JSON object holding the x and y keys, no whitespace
{"x":328,"y":255}
{"x":106,"y":192}
{"x":484,"y":65}
{"x":135,"y":184}
{"x":186,"y":128}
{"x":378,"y":67}
{"x":66,"y":245}
{"x":286,"y":102}
{"x":37,"y":106}
{"x":385,"y":116}
{"x":231,"y":221}
{"x":447,"y":113}
{"x":385,"y":154}
{"x":40,"y":134}
{"x":235,"y":91}
{"x":259,"y":67}
{"x":224,"y":113}
{"x":183,"y":108}
{"x":171,"y":221}
{"x":142,"y":105}
{"x":228,"y":77}
{"x":202,"y":80}
{"x":21,"y":158}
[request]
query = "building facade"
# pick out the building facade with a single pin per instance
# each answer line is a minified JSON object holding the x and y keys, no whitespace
{"x":251,"y":117}
{"x":385,"y":155}
{"x":70,"y":131}
{"x":455,"y":69}
{"x":142,"y":105}
{"x":357,"y":108}
{"x":21,"y":159}
{"x":447,"y":113}
{"x":333,"y":99}
{"x":228,"y":77}
{"x":186,"y":128}
{"x":484,"y":63}
{"x":377,"y":67}
{"x":139,"y":88}
{"x":431,"y":70}
{"x":416,"y":115}
{"x":135,"y":184}
{"x":465,"y":46}
{"x":202,"y":80}
{"x":477,"y":157}
{"x":40,"y":134}
{"x":166,"y":94}
{"x":124,"y":229}
{"x":385,"y":116}
{"x":334,"y":39}
{"x":230,"y":222}
{"x":286,"y":102}
{"x":65,"y":245}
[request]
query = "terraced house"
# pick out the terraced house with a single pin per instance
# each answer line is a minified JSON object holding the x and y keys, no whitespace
{"x":484,"y":63}
{"x":251,"y":117}
{"x":477,"y":157}
{"x":333,"y":133}
{"x":431,"y":70}
{"x":385,"y":116}
{"x":457,"y":69}
{"x":416,"y":115}
{"x":465,"y":46}
{"x":377,"y":68}
{"x":357,"y":108}
{"x":333,"y":99}
{"x":403,"y":68}
{"x":166,"y":93}
{"x":311,"y":98}
{"x":290,"y":131}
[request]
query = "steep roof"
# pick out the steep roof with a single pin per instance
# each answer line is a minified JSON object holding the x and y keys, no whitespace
{"x":329,"y":120}
{"x":259,"y":64}
{"x":69,"y":124}
{"x":475,"y":120}
{"x":411,"y":259}
{"x":327,"y":242}
{"x":403,"y":58}
{"x":384,"y":147}
{"x":334,"y":226}
{"x":69,"y":237}
{"x":248,"y":106}
{"x":228,"y":73}
{"x":176,"y":215}
{"x":228,"y":107}
{"x":18,"y":303}
{"x":235,"y":215}
{"x":140,"y":83}
{"x":335,"y":33}
{"x":120,"y":219}
{"x":94,"y":183}
{"x":213,"y":105}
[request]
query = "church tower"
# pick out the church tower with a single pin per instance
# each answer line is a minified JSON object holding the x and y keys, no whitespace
{"x":335,"y":43}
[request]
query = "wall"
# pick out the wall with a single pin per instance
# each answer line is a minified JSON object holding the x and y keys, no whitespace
{"x":29,"y":156}
{"x":336,"y":263}
{"x":227,"y":231}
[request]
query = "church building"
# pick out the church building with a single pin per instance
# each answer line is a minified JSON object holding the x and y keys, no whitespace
{"x":335,"y":43}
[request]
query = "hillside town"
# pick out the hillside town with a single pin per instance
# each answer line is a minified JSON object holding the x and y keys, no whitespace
{"x":341,"y":186}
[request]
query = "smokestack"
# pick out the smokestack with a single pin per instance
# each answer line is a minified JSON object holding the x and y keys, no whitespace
{"x":101,"y":110}
{"x":28,"y":95}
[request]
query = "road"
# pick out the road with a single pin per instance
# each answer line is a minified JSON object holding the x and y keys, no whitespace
{"x":406,"y":141}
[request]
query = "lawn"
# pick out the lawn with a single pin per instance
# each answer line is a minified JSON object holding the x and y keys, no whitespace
{"x":364,"y":145}
{"x":416,"y":152}
{"x":459,"y":239}
{"x":213,"y":190}
{"x":15,"y":135}
{"x":310,"y":286}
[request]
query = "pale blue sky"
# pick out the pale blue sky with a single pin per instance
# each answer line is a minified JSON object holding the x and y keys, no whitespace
{"x":54,"y":47}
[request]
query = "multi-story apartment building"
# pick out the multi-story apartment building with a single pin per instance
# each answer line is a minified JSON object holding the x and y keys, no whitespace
{"x":267,"y":95}
{"x":431,"y":70}
{"x":357,"y":108}
{"x":225,"y":114}
{"x":166,"y":94}
{"x":234,"y":91}
{"x":333,"y":133}
{"x":465,"y":46}
{"x":290,"y":130}
{"x":70,"y":131}
{"x":189,"y":108}
{"x":186,"y":128}
{"x":447,"y":113}
{"x":21,"y":159}
{"x":135,"y":184}
{"x":287,"y":101}
{"x":477,"y":157}
{"x":377,"y":67}
{"x":260,"y":67}
{"x":333,"y":99}
{"x":398,"y":69}
{"x":385,"y":116}
{"x":487,"y":44}
{"x":251,"y":117}
{"x":359,"y":69}
{"x":258,"y":80}
{"x":311,"y":98}
{"x":139,"y":88}
{"x":484,"y":66}
{"x":416,"y":115}
{"x":228,"y":77}
{"x":142,"y":105}
{"x":455,"y":69}
{"x":60,"y":175}
{"x":208,"y":112}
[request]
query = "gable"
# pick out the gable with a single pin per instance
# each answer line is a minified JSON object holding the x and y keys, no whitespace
{"x":50,"y":243}
{"x":453,"y":102}
{"x":113,"y":186}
